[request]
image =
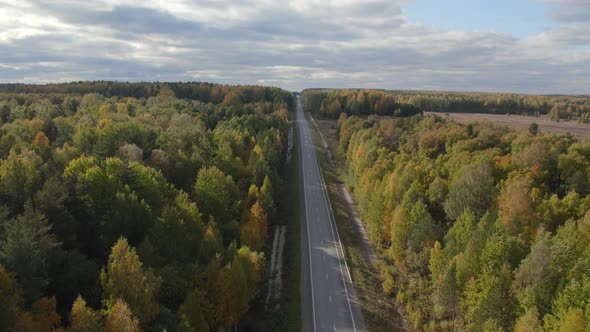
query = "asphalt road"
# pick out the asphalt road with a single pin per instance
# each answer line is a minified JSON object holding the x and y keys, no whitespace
{"x":329,"y":302}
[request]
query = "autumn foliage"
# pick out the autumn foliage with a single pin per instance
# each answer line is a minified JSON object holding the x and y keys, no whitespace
{"x":479,"y":227}
{"x":127,"y":206}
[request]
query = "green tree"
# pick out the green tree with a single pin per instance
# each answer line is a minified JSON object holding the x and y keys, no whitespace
{"x":128,"y":216}
{"x":212,"y":243}
{"x":178,"y":234}
{"x":124,"y":278}
{"x":570,"y":308}
{"x":217,"y":196}
{"x":460,"y":233}
{"x":488,"y":301}
{"x":193,"y":312}
{"x":266,"y":197}
{"x":19,"y":177}
{"x":472,"y":189}
{"x":25,"y":249}
{"x":529,"y":322}
{"x":534,"y":128}
{"x":421,"y":227}
{"x":446,"y":295}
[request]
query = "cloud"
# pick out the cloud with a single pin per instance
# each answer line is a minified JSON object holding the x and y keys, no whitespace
{"x":292,"y":44}
{"x":571,"y":35}
{"x":569,"y":11}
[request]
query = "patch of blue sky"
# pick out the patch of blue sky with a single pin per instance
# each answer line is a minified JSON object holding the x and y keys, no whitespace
{"x":519,"y":18}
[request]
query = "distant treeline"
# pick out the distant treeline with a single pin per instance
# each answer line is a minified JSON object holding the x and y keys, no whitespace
{"x":331,"y":102}
{"x":201,"y":91}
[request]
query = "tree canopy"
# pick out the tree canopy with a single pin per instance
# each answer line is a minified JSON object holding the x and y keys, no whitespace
{"x":479,"y":227}
{"x":123,"y":205}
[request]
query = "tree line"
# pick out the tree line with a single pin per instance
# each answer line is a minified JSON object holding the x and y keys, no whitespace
{"x":479,"y":227}
{"x":135,"y":212}
{"x":330,"y":103}
{"x":201,"y":91}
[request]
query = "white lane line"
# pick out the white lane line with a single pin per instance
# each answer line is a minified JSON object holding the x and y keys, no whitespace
{"x":332,"y":225}
{"x":330,"y":298}
{"x":299,"y":110}
{"x":326,"y":276}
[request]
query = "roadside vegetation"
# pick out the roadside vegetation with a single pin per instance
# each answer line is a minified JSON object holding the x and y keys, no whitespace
{"x":379,"y":310}
{"x":479,"y":227}
{"x":285,"y":313}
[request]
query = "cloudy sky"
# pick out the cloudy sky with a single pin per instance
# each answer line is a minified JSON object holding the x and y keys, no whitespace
{"x":530,"y":46}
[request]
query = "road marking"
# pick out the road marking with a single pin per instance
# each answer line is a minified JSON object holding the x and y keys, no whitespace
{"x":338,"y":245}
{"x":324,"y":256}
{"x":300,"y":110}
{"x":326,"y":276}
{"x":332,"y":226}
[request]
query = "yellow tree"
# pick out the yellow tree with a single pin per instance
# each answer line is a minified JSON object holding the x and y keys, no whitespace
{"x":529,"y":322}
{"x":120,"y":318}
{"x":10,"y":299}
{"x":41,"y":141}
{"x":83,"y":318}
{"x":254,"y":227}
{"x":45,"y":316}
{"x":19,"y":176}
{"x":125,"y":278}
{"x":516,"y":208}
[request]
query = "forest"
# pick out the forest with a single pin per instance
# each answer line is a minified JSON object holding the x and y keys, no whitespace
{"x":478,"y":227}
{"x":136,"y":206}
{"x":330,"y":103}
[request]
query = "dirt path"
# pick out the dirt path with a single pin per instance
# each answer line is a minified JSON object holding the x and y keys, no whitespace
{"x":289,"y":145}
{"x":366,"y":247}
{"x":275,"y":283}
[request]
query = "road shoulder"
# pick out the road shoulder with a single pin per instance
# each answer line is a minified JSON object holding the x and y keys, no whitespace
{"x":381,"y":312}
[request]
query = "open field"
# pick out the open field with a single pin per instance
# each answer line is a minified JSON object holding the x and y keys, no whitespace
{"x":579,"y":130}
